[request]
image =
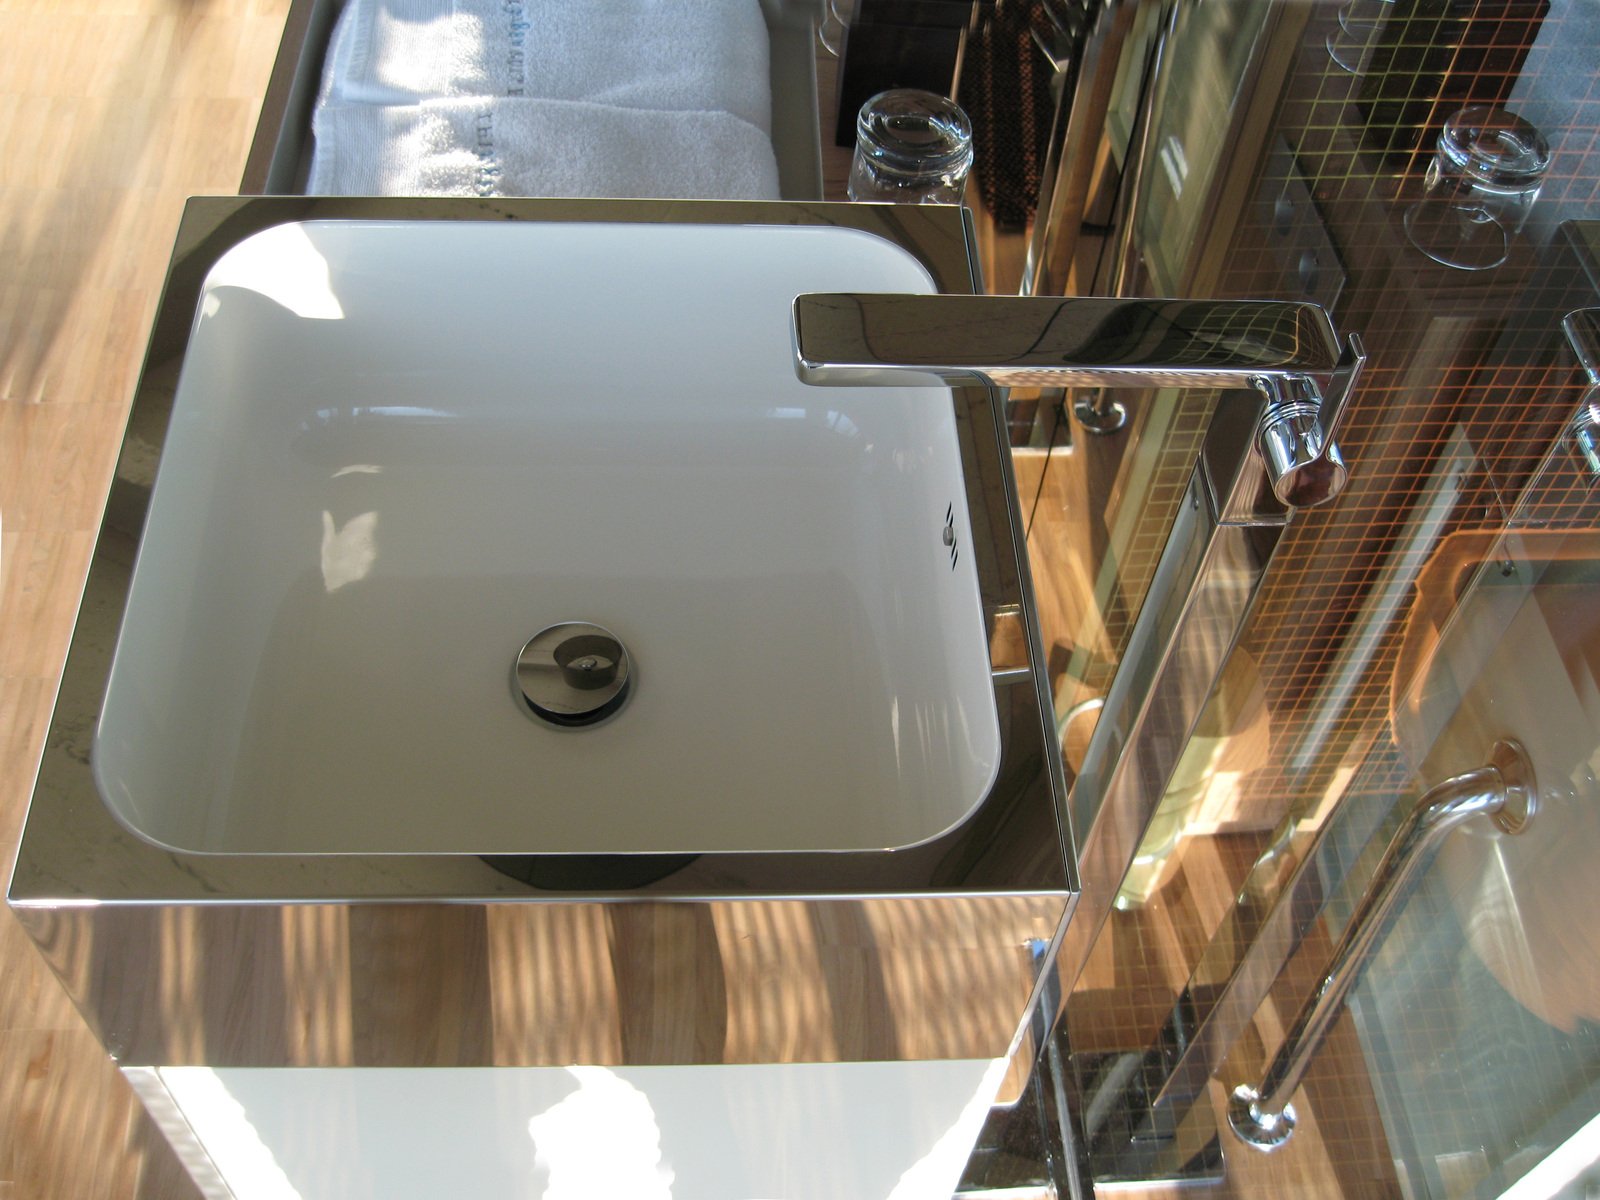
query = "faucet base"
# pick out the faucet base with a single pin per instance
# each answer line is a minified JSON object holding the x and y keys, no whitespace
{"x":1099,"y":414}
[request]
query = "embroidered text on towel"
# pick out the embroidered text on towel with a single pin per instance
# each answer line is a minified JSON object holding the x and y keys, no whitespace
{"x":516,"y":51}
{"x":487,"y":181}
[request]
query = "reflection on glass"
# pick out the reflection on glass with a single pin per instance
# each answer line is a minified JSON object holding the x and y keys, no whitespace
{"x":348,"y":550}
{"x":1286,"y":143}
{"x":1233,"y":737}
{"x":602,"y":1140}
{"x":284,"y":265}
{"x":1480,"y":187}
{"x":223,"y":1127}
{"x":1358,"y":25}
{"x":835,"y":23}
{"x":931,"y":1174}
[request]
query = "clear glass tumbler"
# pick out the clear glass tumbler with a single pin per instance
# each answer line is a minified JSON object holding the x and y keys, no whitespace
{"x":835,"y":21}
{"x":1479,"y":189}
{"x":912,"y":147}
{"x":1359,"y":23}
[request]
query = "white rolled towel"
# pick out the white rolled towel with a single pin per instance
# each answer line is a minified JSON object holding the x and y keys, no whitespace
{"x":685,"y":55}
{"x":511,"y":146}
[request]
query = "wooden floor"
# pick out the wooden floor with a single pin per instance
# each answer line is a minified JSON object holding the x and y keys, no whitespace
{"x":111,"y":113}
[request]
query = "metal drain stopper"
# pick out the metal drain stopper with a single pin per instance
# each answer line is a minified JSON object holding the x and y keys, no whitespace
{"x":573,"y":674}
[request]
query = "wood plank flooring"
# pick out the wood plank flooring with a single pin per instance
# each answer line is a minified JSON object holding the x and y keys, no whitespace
{"x":111,"y":113}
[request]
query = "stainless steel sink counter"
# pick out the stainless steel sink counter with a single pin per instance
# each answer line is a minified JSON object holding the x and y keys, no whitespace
{"x":117,"y":915}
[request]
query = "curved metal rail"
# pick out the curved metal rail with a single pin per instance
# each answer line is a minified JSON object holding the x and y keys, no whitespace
{"x":1505,"y":791}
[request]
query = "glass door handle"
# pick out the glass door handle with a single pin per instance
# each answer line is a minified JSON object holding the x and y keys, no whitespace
{"x":1503,"y":790}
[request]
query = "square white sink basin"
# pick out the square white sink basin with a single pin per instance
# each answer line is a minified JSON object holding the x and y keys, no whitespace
{"x":400,"y":450}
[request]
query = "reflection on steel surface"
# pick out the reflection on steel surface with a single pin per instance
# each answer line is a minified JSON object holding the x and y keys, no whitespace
{"x":1054,"y":342}
{"x":1030,"y":341}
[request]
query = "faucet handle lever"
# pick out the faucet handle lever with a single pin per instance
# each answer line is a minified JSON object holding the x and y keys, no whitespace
{"x":1296,"y":435}
{"x":1352,"y":358}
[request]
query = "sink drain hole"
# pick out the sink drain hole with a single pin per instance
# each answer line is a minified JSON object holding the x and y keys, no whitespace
{"x":573,"y":674}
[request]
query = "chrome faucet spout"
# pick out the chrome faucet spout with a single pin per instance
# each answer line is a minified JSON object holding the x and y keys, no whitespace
{"x":1278,"y":348}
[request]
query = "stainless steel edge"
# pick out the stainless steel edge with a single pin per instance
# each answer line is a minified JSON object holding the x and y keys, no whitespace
{"x":1033,"y":341}
{"x":517,"y":983}
{"x":278,"y":149}
{"x":448,"y":960}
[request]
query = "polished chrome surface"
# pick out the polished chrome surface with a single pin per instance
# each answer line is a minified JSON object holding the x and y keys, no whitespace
{"x":520,"y":982}
{"x":1292,"y":441}
{"x":1297,"y":433}
{"x":1097,"y":412}
{"x":1504,"y":790}
{"x":1262,"y":1129}
{"x":574,"y":674}
{"x":449,"y":960}
{"x":1027,"y":341}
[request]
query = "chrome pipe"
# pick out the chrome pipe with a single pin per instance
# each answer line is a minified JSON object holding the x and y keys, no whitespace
{"x":1505,"y":791}
{"x":1276,"y":348}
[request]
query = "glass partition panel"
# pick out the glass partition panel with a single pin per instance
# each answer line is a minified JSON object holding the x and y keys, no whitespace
{"x":1099,"y":513}
{"x":1480,"y":1020}
{"x":1295,"y":153}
